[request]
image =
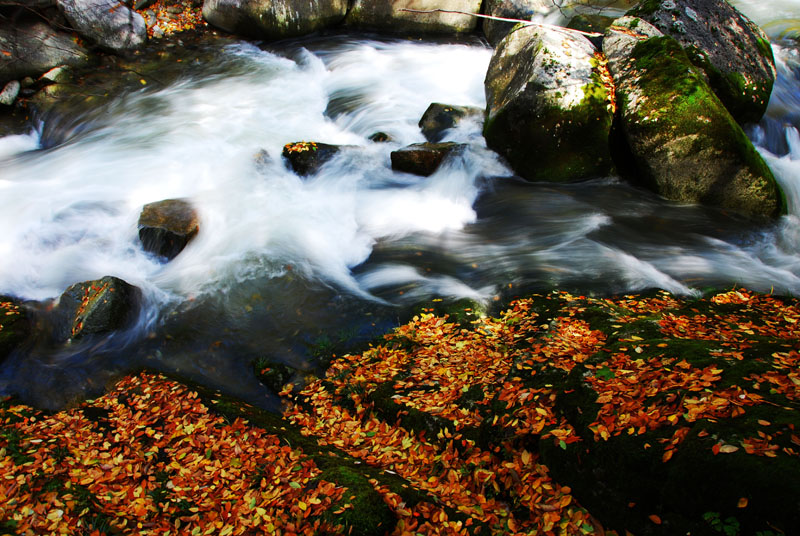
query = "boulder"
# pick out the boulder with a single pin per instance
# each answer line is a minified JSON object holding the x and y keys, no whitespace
{"x":685,"y":144}
{"x":496,"y":30}
{"x":308,"y":157}
{"x":439,"y":118}
{"x":274,"y":19}
{"x":33,"y":48}
{"x":548,"y":110}
{"x":14,"y":325}
{"x":99,"y":306}
{"x":109,"y":23}
{"x":165,"y":227}
{"x":391,"y":17}
{"x":423,"y":158}
{"x":733,"y":52}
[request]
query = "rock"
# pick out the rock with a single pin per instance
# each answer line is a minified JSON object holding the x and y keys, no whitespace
{"x":274,"y":19}
{"x":548,"y":110}
{"x":496,"y":30}
{"x":142,"y":4}
{"x":308,"y":157}
{"x":438,"y":118}
{"x":734,"y":52}
{"x":165,"y":227}
{"x":390,"y":17}
{"x":57,"y":75}
{"x":34,"y":48}
{"x":99,"y":306}
{"x":423,"y":158}
{"x":380,"y":137}
{"x":109,"y":23}
{"x":9,"y":93}
{"x":685,"y":144}
{"x":14,"y":325}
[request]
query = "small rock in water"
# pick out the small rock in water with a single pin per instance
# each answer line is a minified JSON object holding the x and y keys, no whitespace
{"x":165,"y":227}
{"x":98,"y":306}
{"x":439,"y":118}
{"x":307,"y":157}
{"x":9,"y":93}
{"x":423,"y":158}
{"x":380,"y":137}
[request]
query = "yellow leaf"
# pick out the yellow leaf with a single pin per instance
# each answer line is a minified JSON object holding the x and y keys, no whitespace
{"x":727,"y":449}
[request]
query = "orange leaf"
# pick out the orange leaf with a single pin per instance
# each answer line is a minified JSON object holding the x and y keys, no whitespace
{"x":655,"y":519}
{"x":742,"y":502}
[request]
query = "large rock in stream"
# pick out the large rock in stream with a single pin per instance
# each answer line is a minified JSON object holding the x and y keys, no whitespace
{"x":548,"y":110}
{"x":685,"y":144}
{"x":32,"y":48}
{"x":95,"y":307}
{"x":109,"y":23}
{"x":392,"y":16}
{"x":733,"y":52}
{"x":274,"y":19}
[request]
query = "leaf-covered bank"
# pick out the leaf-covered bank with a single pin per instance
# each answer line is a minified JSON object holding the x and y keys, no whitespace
{"x":566,"y":414}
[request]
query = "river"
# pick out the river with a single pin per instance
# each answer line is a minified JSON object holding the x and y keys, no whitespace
{"x":291,"y":269}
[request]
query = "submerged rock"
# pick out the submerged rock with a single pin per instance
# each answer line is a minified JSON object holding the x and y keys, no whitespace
{"x":496,"y":30}
{"x":308,"y":157}
{"x":548,"y":110}
{"x":99,"y":306}
{"x":14,"y":325}
{"x":109,"y":23}
{"x":439,"y":118}
{"x":733,"y":52}
{"x":31,"y":49}
{"x":274,"y":19}
{"x":391,"y":17}
{"x":423,"y":158}
{"x":685,"y":144}
{"x":165,"y":227}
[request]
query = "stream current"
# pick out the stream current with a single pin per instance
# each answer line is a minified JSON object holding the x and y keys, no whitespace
{"x":291,"y":269}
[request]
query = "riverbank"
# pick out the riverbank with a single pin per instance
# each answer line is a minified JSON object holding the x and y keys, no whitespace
{"x":563,"y":415}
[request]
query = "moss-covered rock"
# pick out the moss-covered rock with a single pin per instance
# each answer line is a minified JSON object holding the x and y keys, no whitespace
{"x":685,"y":144}
{"x":733,"y":52}
{"x":14,"y":325}
{"x":548,"y":110}
{"x":279,"y":19}
{"x":392,"y":17}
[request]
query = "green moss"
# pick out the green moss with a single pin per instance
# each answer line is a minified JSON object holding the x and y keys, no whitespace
{"x":369,"y":513}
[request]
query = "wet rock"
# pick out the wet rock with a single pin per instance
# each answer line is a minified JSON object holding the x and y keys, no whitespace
{"x":548,"y":110}
{"x":34,"y":48}
{"x":57,"y":75}
{"x":685,"y":144}
{"x":108,"y":23}
{"x":274,"y":19}
{"x":423,"y":158}
{"x":380,"y":137}
{"x":496,"y":30}
{"x":308,"y":157}
{"x":165,"y":227}
{"x":391,"y":17}
{"x":14,"y":325}
{"x":438,"y":118}
{"x":9,"y":93}
{"x":733,"y":52}
{"x":98,"y":306}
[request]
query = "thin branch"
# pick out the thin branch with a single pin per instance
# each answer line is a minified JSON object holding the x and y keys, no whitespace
{"x":503,"y":19}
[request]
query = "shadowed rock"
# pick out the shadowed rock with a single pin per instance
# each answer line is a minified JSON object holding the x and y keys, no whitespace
{"x":439,"y":118}
{"x":165,"y":227}
{"x":308,"y":157}
{"x":423,"y":158}
{"x":99,"y":306}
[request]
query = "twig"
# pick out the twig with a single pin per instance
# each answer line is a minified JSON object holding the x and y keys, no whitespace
{"x":502,"y":19}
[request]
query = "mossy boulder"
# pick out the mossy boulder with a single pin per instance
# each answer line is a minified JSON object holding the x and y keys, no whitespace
{"x":439,"y":118}
{"x":108,"y":23}
{"x":733,"y":52}
{"x":496,"y":30}
{"x":307,"y":157}
{"x":166,"y":227}
{"x":96,"y":307}
{"x":684,"y":143}
{"x":279,"y":19}
{"x":34,"y":48}
{"x":423,"y":158}
{"x":14,"y":325}
{"x":548,"y":110}
{"x":391,"y":16}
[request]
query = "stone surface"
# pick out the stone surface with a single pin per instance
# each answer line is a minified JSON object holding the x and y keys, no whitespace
{"x":439,"y":118}
{"x":548,"y":110}
{"x":307,"y":157}
{"x":423,"y":158}
{"x":109,"y":23}
{"x":9,"y":93}
{"x":390,"y":17}
{"x":496,"y":30}
{"x":274,"y":19}
{"x":685,"y":144}
{"x":94,"y":307}
{"x":34,"y":48}
{"x":14,"y":325}
{"x":165,"y":227}
{"x":734,"y":52}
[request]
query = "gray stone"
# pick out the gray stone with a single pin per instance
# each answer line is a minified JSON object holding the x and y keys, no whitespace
{"x":274,"y":19}
{"x":390,"y":16}
{"x":34,"y":48}
{"x":9,"y":93}
{"x":109,"y":23}
{"x":96,"y":307}
{"x":548,"y":110}
{"x":496,"y":30}
{"x":439,"y":118}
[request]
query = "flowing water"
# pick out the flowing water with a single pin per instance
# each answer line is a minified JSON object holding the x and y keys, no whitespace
{"x":291,"y":269}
